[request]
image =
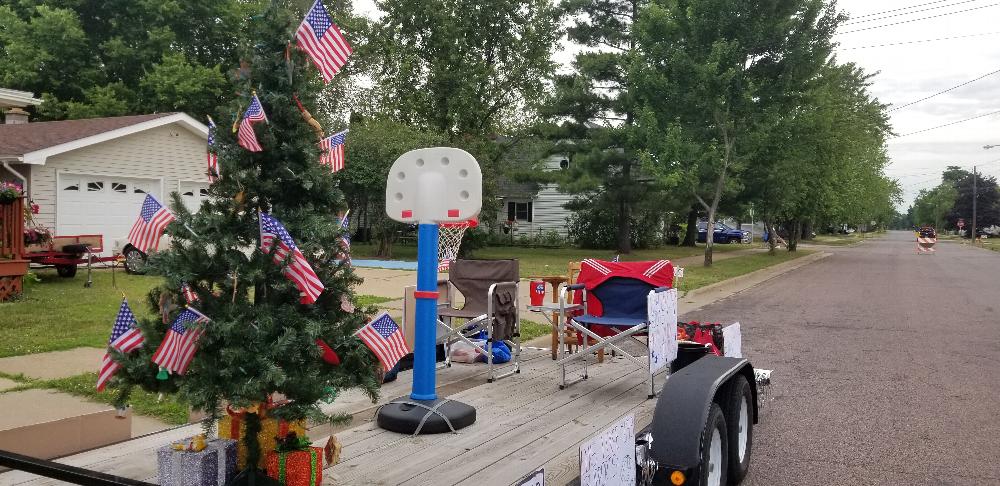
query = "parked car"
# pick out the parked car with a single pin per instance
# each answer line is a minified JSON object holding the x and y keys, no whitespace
{"x":723,"y":234}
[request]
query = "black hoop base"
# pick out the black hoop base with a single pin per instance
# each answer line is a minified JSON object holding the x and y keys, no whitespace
{"x":441,"y":415}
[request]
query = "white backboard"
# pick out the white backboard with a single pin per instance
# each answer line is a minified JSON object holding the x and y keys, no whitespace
{"x":434,"y":185}
{"x":609,"y":458}
{"x":662,"y":308}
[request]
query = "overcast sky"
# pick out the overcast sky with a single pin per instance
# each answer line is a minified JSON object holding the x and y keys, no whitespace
{"x":909,"y":72}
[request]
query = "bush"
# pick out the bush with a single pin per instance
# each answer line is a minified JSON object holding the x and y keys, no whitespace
{"x":594,"y":227}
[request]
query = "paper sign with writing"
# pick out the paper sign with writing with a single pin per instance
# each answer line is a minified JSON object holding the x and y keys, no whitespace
{"x":536,"y":478}
{"x":609,"y":458}
{"x":662,"y":308}
{"x":732,"y":341}
{"x":679,"y":272}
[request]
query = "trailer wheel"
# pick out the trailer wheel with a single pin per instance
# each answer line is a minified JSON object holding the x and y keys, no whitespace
{"x":66,"y":271}
{"x":135,"y":260}
{"x":714,"y":447}
{"x":739,"y":416}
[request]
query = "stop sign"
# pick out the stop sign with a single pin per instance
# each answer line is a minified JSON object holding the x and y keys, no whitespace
{"x":961,"y":223}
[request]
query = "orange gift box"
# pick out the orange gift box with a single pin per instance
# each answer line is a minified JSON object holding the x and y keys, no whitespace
{"x":296,"y":468}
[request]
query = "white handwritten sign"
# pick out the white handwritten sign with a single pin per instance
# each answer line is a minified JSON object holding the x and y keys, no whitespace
{"x":536,"y":478}
{"x":662,"y":309}
{"x":679,"y":272}
{"x":609,"y":458}
{"x":732,"y":341}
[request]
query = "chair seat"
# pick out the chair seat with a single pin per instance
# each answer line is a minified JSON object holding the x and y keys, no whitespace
{"x":446,"y":311}
{"x":588,"y":319}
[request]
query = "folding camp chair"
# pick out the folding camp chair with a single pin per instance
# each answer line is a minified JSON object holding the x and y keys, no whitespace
{"x":490,"y":291}
{"x":623,"y":311}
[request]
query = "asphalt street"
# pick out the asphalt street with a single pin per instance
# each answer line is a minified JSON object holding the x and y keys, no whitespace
{"x":887,"y":366}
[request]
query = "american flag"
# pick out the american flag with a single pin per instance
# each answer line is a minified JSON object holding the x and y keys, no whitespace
{"x":180,"y":343}
{"x":332,"y":151}
{"x":385,"y":339}
{"x":345,"y":226}
{"x":189,"y":295}
{"x":246,"y":136}
{"x":298,"y":270}
{"x":125,"y":338}
{"x":323,"y":41}
{"x":213,"y":158}
{"x":153,"y":219}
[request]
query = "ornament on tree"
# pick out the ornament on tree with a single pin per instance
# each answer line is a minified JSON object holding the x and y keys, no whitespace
{"x":329,"y":355}
{"x":345,"y":304}
{"x":309,"y":118}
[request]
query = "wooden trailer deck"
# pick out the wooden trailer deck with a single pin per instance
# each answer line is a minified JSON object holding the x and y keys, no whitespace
{"x":523,"y":423}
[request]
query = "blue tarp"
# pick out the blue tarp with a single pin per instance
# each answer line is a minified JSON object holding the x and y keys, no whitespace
{"x":390,"y":264}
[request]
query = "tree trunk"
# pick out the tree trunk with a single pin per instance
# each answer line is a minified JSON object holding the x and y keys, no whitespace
{"x":794,"y":230}
{"x":624,"y":238}
{"x":709,"y":237}
{"x":769,"y":228}
{"x":807,"y":230}
{"x":691,"y":235}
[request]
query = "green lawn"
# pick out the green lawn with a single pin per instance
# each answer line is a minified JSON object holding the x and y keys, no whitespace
{"x":837,"y":240}
{"x":59,"y":313}
{"x":696,"y":276}
{"x":534,"y":262}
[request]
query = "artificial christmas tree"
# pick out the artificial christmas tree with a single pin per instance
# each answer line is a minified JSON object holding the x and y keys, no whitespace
{"x":261,"y":338}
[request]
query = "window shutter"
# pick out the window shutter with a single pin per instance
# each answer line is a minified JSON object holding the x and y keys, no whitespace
{"x":530,"y":212}
{"x":511,"y":211}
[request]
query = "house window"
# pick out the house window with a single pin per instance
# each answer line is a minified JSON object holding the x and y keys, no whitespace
{"x":138,"y":190}
{"x":189,"y":193}
{"x":118,"y":187}
{"x":73,"y":187}
{"x":203,"y":192}
{"x":95,"y":186}
{"x":519,"y":211}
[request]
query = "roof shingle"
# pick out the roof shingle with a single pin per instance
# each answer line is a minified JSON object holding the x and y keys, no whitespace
{"x":17,"y":140}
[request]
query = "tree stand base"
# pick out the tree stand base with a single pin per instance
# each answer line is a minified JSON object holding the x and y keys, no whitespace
{"x":408,"y":416}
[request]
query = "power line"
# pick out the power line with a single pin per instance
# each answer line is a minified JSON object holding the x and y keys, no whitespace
{"x":916,"y":41}
{"x":921,"y":18}
{"x":907,"y":13}
{"x":900,"y":107}
{"x":946,"y":124}
{"x":901,"y":8}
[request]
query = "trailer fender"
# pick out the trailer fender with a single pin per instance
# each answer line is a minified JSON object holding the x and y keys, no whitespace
{"x":683,"y":406}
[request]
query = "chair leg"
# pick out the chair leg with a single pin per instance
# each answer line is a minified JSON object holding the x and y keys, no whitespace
{"x":555,"y":341}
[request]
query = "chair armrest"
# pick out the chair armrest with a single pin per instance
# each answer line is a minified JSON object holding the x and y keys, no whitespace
{"x":578,"y":286}
{"x":661,"y":289}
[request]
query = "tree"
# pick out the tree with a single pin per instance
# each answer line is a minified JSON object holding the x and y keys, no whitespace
{"x":120,"y":57}
{"x":374,"y":146}
{"x":594,"y":109}
{"x":709,"y":69}
{"x":261,"y":339}
{"x":987,"y":200}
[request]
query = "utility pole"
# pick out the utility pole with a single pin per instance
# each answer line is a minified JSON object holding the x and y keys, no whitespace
{"x":975,"y":195}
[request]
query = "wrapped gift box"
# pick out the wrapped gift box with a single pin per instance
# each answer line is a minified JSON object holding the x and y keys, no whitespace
{"x":233,"y":426}
{"x":296,"y":468}
{"x":213,"y":466}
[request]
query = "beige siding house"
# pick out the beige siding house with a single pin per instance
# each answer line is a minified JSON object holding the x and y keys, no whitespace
{"x":91,"y":176}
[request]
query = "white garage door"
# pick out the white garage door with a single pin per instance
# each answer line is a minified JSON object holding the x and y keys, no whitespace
{"x":101,"y":205}
{"x":192,"y":194}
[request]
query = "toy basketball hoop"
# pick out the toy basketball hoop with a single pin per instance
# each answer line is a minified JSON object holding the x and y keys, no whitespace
{"x":441,"y":189}
{"x":450,"y":240}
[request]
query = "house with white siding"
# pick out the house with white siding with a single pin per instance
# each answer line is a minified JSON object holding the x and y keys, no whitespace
{"x":90,"y":176}
{"x":536,"y":208}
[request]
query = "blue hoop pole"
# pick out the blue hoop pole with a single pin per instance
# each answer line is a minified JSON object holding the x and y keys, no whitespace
{"x":425,"y":314}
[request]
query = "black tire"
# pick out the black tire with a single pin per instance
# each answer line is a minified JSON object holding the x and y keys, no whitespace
{"x":716,"y":423}
{"x":66,"y":271}
{"x":739,"y":396}
{"x":135,"y":260}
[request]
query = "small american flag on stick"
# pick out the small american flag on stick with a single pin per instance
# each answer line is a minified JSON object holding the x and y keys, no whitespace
{"x":189,"y":295}
{"x":245,"y":136}
{"x":273,"y":235}
{"x":153,"y":219}
{"x":323,"y":41}
{"x":385,"y":339}
{"x":345,"y":226}
{"x":125,"y":338}
{"x":332,"y":151}
{"x":214,"y":173}
{"x":179,"y":345}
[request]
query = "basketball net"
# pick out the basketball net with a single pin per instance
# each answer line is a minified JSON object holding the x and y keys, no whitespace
{"x":449,"y":240}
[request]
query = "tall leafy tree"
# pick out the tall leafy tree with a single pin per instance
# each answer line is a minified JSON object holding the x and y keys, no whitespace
{"x":261,"y":339}
{"x":593,"y":108}
{"x":708,"y":71}
{"x":987,"y":199}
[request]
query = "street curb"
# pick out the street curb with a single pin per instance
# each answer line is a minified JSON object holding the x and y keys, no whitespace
{"x":709,"y":294}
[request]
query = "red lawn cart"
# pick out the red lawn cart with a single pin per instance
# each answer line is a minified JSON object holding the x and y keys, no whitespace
{"x":65,"y":253}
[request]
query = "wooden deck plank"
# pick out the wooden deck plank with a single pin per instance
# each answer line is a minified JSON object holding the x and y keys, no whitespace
{"x":499,"y":411}
{"x":136,"y":459}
